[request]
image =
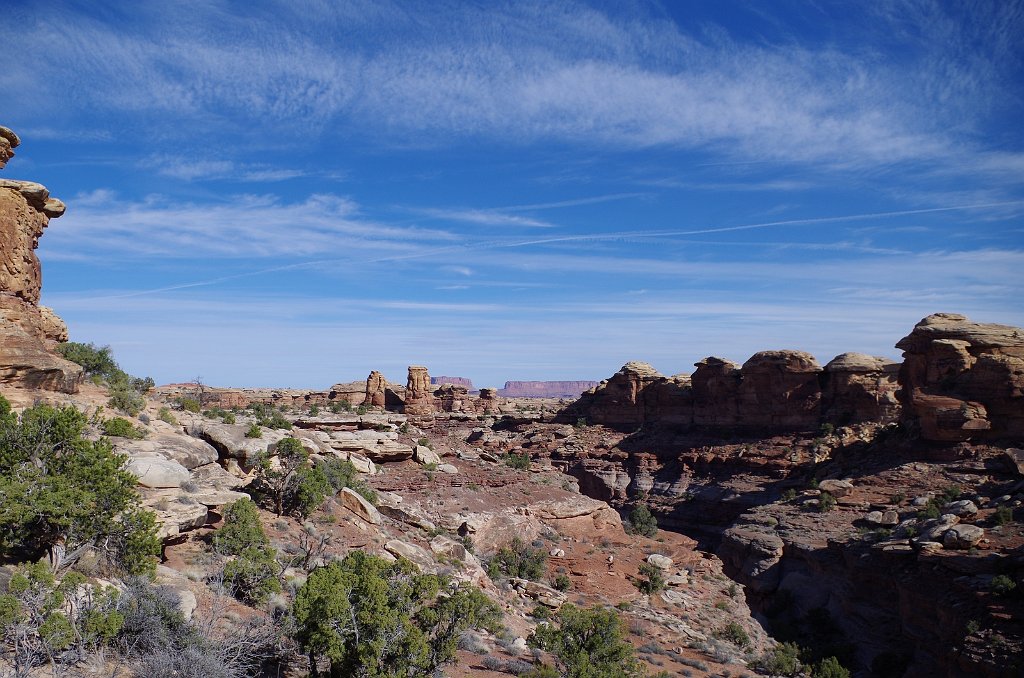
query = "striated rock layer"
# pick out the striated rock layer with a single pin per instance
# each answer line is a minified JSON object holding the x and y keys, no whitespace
{"x":28,"y":331}
{"x":962,"y":380}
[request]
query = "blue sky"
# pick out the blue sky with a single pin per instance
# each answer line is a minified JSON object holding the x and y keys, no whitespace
{"x":295,"y":192}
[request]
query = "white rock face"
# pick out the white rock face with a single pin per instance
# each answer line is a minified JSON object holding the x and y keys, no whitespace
{"x":424,"y":455}
{"x":157,"y":472}
{"x":660,"y":561}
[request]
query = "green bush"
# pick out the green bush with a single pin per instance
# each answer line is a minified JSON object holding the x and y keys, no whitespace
{"x":122,"y":428}
{"x":588,"y":643}
{"x":517,"y":559}
{"x":242,"y":528}
{"x":642,"y":521}
{"x":1002,"y":585}
{"x":229,"y":418}
{"x":166,"y":415}
{"x":269,"y":417}
{"x":365,"y":616}
{"x":42,"y":619}
{"x":340,"y":474}
{"x":784,"y":660}
{"x":830,"y":668}
{"x":1003,"y":516}
{"x":653,"y":579}
{"x":252,"y":576}
{"x":826,"y":502}
{"x":254,"y":431}
{"x":188,"y":404}
{"x":126,"y":392}
{"x":562,"y":583}
{"x":517,"y":461}
{"x":61,"y":494}
{"x":735,"y":634}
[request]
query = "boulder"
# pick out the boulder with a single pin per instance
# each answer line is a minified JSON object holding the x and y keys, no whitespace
{"x":157,"y":472}
{"x":660,"y":561}
{"x":962,"y":536}
{"x":414,"y":554}
{"x":837,"y":488}
{"x":424,"y":455}
{"x":355,"y":503}
{"x":189,"y":452}
{"x":964,"y":508}
{"x":229,"y":440}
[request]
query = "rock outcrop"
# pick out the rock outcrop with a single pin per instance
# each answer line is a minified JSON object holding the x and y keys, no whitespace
{"x":859,"y":388}
{"x":419,"y":395}
{"x":962,"y":380}
{"x":28,"y":331}
{"x":376,"y":385}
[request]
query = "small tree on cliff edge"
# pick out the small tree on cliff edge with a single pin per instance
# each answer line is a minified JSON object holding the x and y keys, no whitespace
{"x":642,"y":521}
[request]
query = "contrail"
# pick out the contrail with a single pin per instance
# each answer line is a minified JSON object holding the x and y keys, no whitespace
{"x":569,"y":238}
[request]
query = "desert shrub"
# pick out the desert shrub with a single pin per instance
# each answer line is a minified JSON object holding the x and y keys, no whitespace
{"x":562,"y":583}
{"x":517,"y":559}
{"x":517,"y":460}
{"x":122,"y":428}
{"x":340,"y":474}
{"x":254,"y":431}
{"x":62,"y":495}
{"x":653,"y":579}
{"x":125,"y":391}
{"x":366,"y":616}
{"x":1001,"y":585}
{"x":252,"y":575}
{"x":588,"y":643}
{"x":1003,"y":515}
{"x":229,"y":418}
{"x":188,"y":404}
{"x":166,"y":415}
{"x":642,"y":521}
{"x":269,"y":417}
{"x":242,"y":528}
{"x":46,"y":621}
{"x":789,"y":495}
{"x":826,"y":502}
{"x":292,"y":484}
{"x":735,"y":634}
{"x":314,"y":410}
{"x":784,"y":660}
{"x":125,"y":398}
{"x":830,"y":667}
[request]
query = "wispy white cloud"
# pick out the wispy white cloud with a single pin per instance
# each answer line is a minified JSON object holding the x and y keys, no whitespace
{"x":484,"y":217}
{"x":634,"y":82}
{"x":261,"y":226}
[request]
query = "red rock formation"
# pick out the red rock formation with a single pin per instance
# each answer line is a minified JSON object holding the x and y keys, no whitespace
{"x":419,"y":396}
{"x":375,"y":386}
{"x":27,"y":331}
{"x":489,"y":400}
{"x":716,"y":385}
{"x":779,"y":391}
{"x":859,"y":388}
{"x":619,"y":402}
{"x":962,"y":380}
{"x":545,"y":389}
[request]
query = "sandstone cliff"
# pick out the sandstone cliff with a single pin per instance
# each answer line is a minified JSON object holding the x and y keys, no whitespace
{"x":962,"y":380}
{"x":28,"y":331}
{"x":455,"y":381}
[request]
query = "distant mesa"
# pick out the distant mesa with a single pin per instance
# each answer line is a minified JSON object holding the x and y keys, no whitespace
{"x":454,"y":381}
{"x":545,"y":389}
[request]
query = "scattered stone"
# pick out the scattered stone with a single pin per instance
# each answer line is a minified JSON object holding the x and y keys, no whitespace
{"x":660,"y":561}
{"x":962,"y":509}
{"x":837,"y":488}
{"x":962,"y":536}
